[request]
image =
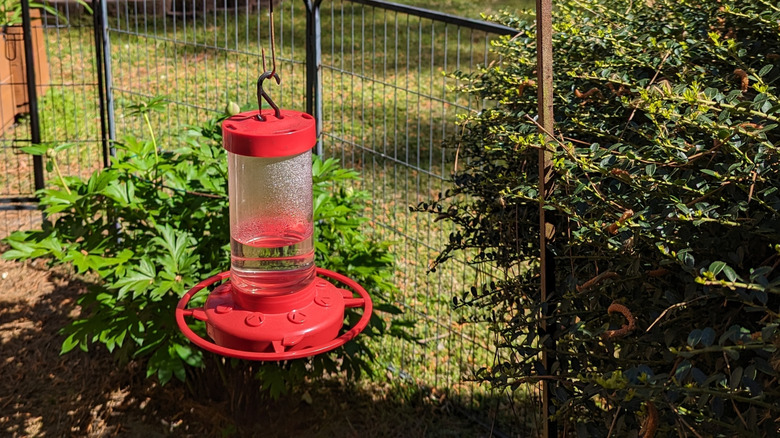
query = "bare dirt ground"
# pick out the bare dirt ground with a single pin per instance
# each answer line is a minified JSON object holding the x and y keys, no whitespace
{"x":45,"y":394}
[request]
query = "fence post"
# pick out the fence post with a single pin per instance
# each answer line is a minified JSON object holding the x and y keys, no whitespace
{"x":314,"y":67}
{"x":97,"y":29}
{"x":105,"y":80}
{"x":544,"y":70}
{"x":32,"y":96}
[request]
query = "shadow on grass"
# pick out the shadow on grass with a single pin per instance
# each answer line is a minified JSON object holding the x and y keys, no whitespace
{"x":87,"y":394}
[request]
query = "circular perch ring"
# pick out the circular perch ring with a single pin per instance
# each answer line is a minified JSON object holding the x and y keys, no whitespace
{"x":363,"y":301}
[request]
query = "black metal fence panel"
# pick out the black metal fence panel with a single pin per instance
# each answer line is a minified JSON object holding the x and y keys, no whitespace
{"x":390,"y":110}
{"x":65,"y":108}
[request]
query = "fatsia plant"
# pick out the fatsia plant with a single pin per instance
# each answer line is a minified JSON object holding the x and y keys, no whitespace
{"x":154,"y":224}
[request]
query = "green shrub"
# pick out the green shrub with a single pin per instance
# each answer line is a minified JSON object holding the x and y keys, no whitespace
{"x":667,"y":246}
{"x":155,"y":223}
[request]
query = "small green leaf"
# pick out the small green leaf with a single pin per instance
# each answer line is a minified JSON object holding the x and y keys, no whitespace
{"x":694,"y":337}
{"x":768,"y":331}
{"x":707,"y":336}
{"x":69,"y":344}
{"x":35,"y":149}
{"x":716,"y":267}
{"x":682,"y":371}
{"x":711,"y":173}
{"x":736,"y":378}
{"x":730,"y":274}
{"x":699,"y":376}
{"x":64,"y":146}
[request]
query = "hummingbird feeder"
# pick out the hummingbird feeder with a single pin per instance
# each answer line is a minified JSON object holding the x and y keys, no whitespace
{"x":276,"y":304}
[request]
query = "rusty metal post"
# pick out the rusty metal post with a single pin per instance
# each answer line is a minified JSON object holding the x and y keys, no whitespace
{"x":544,"y":59}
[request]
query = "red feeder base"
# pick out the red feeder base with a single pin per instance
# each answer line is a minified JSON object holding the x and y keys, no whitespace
{"x":293,"y":326}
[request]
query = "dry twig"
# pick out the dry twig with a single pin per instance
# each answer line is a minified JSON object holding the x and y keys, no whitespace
{"x":672,"y":307}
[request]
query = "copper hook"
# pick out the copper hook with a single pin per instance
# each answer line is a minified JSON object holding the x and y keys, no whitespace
{"x":261,"y":94}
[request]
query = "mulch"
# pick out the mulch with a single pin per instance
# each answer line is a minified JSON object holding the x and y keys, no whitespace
{"x":43,"y":393}
{"x":88,"y":394}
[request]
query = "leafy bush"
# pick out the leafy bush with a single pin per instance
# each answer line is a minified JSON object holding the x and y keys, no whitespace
{"x":667,"y":246}
{"x":155,"y":223}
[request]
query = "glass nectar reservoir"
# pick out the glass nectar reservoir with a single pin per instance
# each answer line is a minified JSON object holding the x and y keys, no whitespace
{"x":270,"y":190}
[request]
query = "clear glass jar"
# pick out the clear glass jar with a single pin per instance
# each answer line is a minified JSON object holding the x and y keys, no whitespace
{"x":271,"y":213}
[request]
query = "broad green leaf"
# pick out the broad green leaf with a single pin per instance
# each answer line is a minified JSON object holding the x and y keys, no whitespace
{"x":716,"y":267}
{"x":35,"y":149}
{"x":730,"y":274}
{"x":707,"y":336}
{"x":69,"y":344}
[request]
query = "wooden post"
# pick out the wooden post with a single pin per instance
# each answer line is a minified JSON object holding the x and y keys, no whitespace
{"x":544,"y":60}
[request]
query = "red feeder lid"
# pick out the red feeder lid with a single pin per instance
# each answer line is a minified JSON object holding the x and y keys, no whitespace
{"x":244,"y":134}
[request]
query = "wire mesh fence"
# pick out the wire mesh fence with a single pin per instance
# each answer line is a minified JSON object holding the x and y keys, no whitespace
{"x":200,"y":55}
{"x":389,"y":107}
{"x":67,"y":100}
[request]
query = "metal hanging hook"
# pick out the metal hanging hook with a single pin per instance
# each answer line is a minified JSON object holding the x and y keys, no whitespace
{"x":261,"y":93}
